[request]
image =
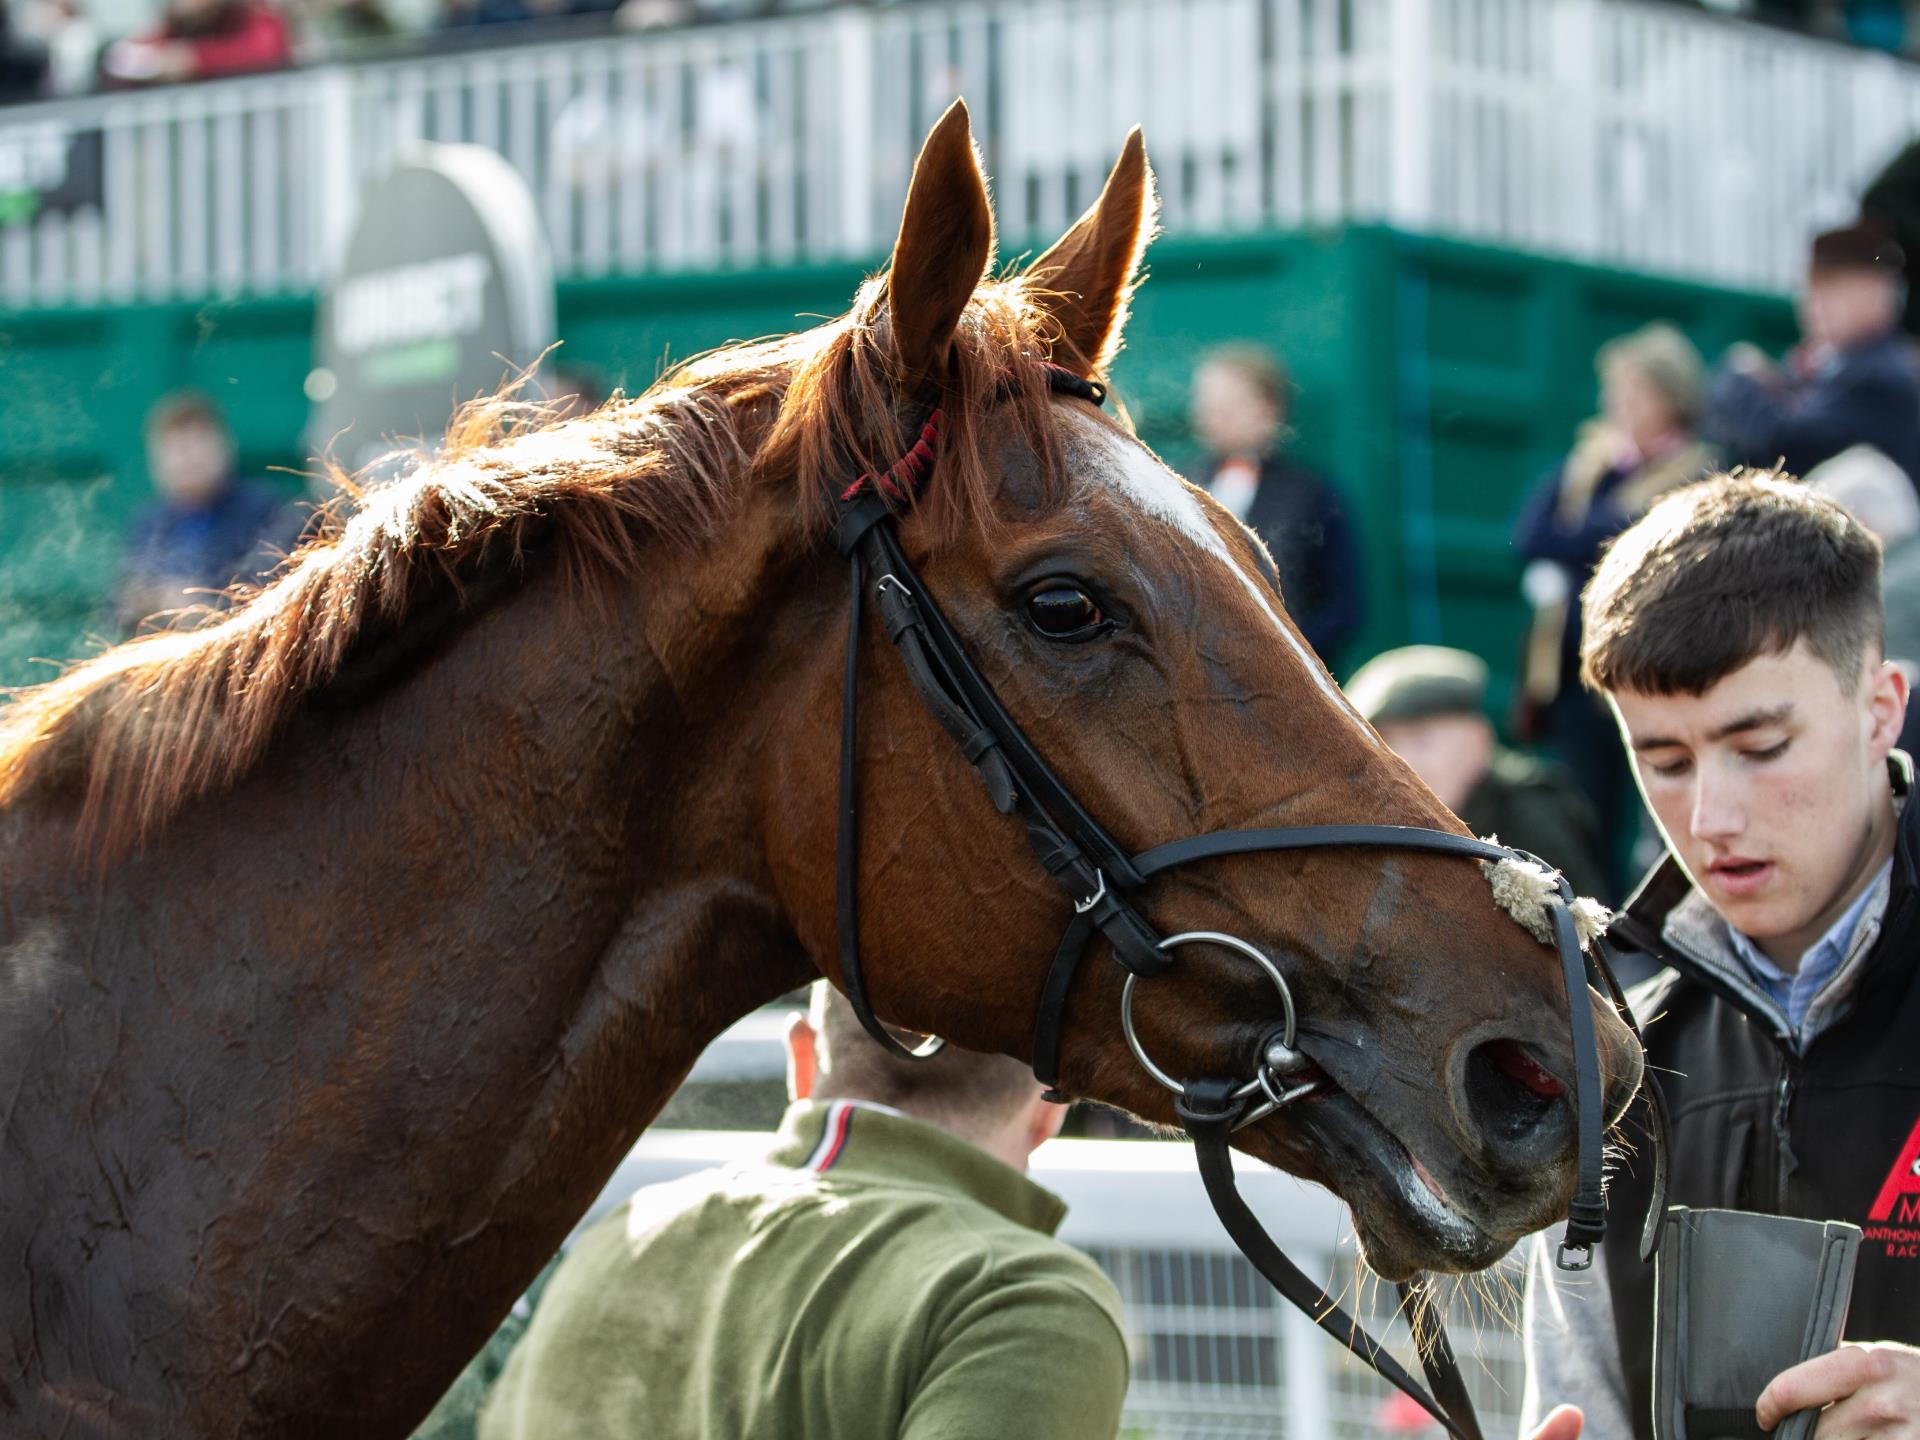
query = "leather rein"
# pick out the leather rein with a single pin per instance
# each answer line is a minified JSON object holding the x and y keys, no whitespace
{"x":1101,"y":880}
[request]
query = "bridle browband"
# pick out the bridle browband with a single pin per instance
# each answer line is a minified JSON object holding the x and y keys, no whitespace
{"x":1101,"y":879}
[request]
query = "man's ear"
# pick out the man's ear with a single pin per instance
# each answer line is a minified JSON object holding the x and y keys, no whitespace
{"x":1091,"y":269}
{"x":803,"y":1058}
{"x":1887,"y":703}
{"x":944,"y":248}
{"x":1044,"y":1122}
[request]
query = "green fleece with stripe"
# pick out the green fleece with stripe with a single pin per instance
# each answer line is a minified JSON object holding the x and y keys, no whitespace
{"x":877,"y":1277}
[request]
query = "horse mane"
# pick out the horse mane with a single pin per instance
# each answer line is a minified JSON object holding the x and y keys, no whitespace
{"x":149,"y":725}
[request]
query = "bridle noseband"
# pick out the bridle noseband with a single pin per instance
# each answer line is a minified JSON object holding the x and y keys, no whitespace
{"x":1100,"y":879}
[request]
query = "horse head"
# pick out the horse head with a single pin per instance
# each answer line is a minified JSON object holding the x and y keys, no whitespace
{"x":1138,"y":634}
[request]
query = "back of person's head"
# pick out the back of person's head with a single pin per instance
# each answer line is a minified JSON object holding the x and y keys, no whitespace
{"x":1873,"y":489}
{"x":1723,"y":572}
{"x":1668,"y":368}
{"x":959,"y":1090}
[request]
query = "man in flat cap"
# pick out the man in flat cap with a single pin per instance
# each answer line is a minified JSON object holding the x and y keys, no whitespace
{"x":1854,"y":379}
{"x":1429,"y":704}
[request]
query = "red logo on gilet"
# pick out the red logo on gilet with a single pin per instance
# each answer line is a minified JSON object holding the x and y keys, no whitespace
{"x":1895,"y":1217}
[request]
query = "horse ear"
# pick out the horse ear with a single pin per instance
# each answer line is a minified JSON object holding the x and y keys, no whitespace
{"x":945,"y":246}
{"x":1091,"y":269}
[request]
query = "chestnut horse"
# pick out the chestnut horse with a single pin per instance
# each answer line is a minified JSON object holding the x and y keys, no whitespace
{"x":347,"y":943}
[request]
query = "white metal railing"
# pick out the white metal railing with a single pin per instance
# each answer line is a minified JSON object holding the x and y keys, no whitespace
{"x":1636,"y":134}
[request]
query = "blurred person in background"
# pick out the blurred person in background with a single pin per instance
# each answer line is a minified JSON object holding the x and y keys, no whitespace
{"x":334,"y":28}
{"x":1891,"y":205}
{"x":1853,"y":380}
{"x":1242,"y":398}
{"x":458,"y":14}
{"x":1877,"y":493}
{"x":70,"y":39}
{"x":205,"y":529}
{"x":201,"y":40}
{"x":1641,"y":445}
{"x":1429,"y":704}
{"x":23,"y":61}
{"x":461,"y":14}
{"x":888,"y":1270}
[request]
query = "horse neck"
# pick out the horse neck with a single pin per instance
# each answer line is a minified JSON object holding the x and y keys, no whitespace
{"x":469,"y":934}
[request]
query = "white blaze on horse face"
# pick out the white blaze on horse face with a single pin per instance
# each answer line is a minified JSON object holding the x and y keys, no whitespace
{"x":1131,"y":471}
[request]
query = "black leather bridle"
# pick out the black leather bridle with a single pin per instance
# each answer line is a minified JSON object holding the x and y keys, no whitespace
{"x":1101,"y":879}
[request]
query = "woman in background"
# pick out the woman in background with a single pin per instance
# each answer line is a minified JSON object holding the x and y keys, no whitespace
{"x":1642,"y":444}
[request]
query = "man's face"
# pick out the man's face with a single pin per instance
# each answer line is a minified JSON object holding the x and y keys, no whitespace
{"x":1635,"y":405}
{"x":1230,"y":413}
{"x":1771,"y":788}
{"x":1450,"y":753}
{"x":190,"y":461}
{"x":1848,"y":307}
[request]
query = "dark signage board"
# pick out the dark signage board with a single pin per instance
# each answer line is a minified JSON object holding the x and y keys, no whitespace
{"x":444,"y":288}
{"x":48,"y":167}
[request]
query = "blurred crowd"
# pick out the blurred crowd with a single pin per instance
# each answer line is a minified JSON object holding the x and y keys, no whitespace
{"x":66,"y":47}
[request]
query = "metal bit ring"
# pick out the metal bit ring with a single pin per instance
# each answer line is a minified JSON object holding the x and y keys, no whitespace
{"x":1260,"y":1085}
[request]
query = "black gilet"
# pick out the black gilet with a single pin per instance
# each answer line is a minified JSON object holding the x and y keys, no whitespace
{"x":1829,"y":1134}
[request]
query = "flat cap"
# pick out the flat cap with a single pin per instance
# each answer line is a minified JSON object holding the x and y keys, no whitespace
{"x":1417,"y":681}
{"x":1857,"y":247}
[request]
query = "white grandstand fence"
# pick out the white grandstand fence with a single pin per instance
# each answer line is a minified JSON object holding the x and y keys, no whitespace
{"x":1638,"y":135}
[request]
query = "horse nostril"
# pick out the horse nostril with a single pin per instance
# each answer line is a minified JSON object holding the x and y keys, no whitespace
{"x":1512,"y":1059}
{"x":1514,"y":1099}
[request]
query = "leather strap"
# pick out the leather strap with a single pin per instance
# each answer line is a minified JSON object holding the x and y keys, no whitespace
{"x":847,"y":881}
{"x":1659,"y":1123}
{"x":1587,"y":1213}
{"x":1207,"y":1111}
{"x":1050,"y":1012}
{"x":1444,"y":1375}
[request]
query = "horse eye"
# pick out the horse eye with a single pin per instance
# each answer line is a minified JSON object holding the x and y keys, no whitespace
{"x":1064,"y":612}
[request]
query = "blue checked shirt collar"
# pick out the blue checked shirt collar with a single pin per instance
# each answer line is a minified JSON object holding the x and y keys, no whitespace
{"x":1794,"y":993}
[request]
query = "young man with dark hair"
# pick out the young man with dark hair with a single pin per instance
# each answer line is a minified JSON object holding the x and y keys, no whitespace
{"x":1736,"y":632}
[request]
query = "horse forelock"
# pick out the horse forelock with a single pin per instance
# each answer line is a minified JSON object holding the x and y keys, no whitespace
{"x":157,"y":721}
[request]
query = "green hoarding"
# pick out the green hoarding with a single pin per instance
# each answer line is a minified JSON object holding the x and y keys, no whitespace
{"x":1436,"y":382}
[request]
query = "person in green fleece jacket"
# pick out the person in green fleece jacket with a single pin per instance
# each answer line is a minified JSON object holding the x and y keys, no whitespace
{"x":887,"y":1271}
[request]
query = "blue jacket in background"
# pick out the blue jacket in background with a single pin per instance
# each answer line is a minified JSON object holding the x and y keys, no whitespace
{"x":1869,"y":395}
{"x":206,"y":548}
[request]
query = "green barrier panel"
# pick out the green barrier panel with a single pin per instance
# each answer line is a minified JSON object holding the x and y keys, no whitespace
{"x":1436,"y":380}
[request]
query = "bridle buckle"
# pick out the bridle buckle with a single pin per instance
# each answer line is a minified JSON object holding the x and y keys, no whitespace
{"x":1081,"y":907}
{"x":1567,"y":1248}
